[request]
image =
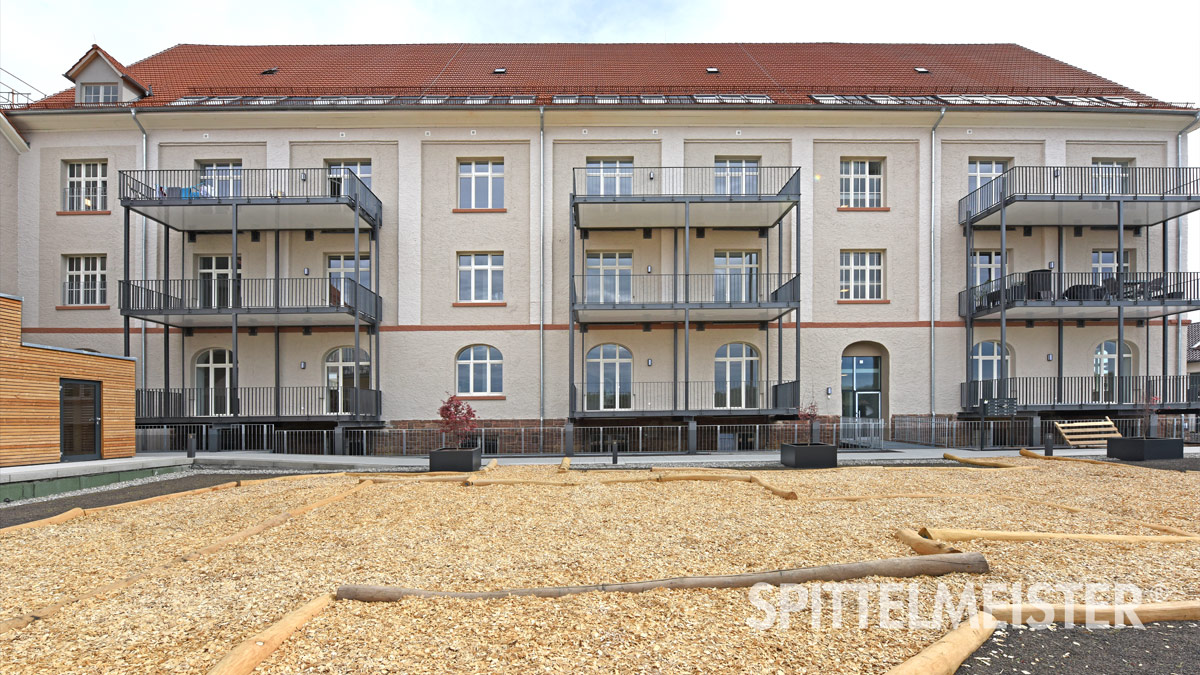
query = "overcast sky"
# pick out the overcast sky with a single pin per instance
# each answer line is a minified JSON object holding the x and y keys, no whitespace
{"x":1150,"y":45}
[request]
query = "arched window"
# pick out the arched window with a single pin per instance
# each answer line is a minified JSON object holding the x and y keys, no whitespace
{"x":736,"y":376}
{"x":343,"y":375}
{"x":608,"y":378}
{"x":480,"y":370}
{"x":1105,"y":364}
{"x":214,"y":371}
{"x":986,"y":361}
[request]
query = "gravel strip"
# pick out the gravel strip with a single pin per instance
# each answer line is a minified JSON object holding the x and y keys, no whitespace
{"x":1163,"y":648}
{"x":446,"y":536}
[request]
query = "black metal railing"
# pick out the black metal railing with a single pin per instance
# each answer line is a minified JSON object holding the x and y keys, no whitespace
{"x":175,"y":296}
{"x":230,"y":184}
{"x":692,"y":181}
{"x":1064,"y":288}
{"x":1138,"y":391}
{"x":654,"y":289}
{"x":306,"y":402}
{"x":669,"y":397}
{"x":1081,"y":181}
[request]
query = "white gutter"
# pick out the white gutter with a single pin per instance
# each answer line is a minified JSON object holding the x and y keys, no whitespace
{"x":145,"y":242}
{"x":1180,"y":154}
{"x":542,"y":269}
{"x":933,"y":262}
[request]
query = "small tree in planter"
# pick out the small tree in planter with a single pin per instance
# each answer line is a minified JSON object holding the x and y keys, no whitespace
{"x":456,"y":418}
{"x":1136,"y":449}
{"x":814,"y":454}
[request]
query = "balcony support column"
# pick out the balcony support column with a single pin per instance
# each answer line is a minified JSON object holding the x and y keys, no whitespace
{"x":674,"y":366}
{"x":571,"y":319}
{"x":687,"y":353}
{"x":125,"y":294}
{"x":970,"y":332}
{"x":1003,"y":295}
{"x":235,"y":403}
{"x":687,"y":252}
{"x":377,"y":352}
{"x":357,"y":300}
{"x":796,"y":314}
{"x":278,"y":390}
{"x":166,"y":290}
{"x":1166,"y":345}
{"x":1058,"y":293}
{"x":1121,"y":308}
{"x":687,"y":313}
{"x":675,"y":265}
{"x":275,"y":295}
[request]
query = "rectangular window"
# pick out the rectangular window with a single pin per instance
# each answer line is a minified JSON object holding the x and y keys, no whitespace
{"x":341,"y":266}
{"x":861,"y":183}
{"x":87,"y":280}
{"x":609,"y":177}
{"x":338,"y":170}
{"x":99,"y":93}
{"x":1104,"y":264}
{"x":480,"y":277}
{"x":860,"y":275}
{"x":980,"y":172}
{"x":736,"y":276}
{"x":87,"y":187}
{"x":1111,"y":176}
{"x":736,"y":177}
{"x":481,"y":184}
{"x":985,"y":267}
{"x":220,"y":179}
{"x":608,"y":277}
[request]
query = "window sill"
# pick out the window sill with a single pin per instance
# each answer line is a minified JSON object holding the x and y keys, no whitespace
{"x":867,"y":209}
{"x":480,"y":304}
{"x":479,"y":211}
{"x":83,"y":213}
{"x":864,"y":302}
{"x":64,"y":307}
{"x":482,"y":397}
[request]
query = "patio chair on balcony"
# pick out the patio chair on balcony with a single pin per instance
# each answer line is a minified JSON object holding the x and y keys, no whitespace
{"x":1041,"y":284}
{"x":1084,"y":292}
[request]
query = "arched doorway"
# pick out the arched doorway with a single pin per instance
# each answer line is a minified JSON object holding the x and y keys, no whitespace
{"x":343,"y":374}
{"x":1104,"y":387}
{"x":608,"y":378}
{"x":214,"y":372}
{"x":864,"y":385}
{"x":987,"y":362}
{"x":736,"y":376}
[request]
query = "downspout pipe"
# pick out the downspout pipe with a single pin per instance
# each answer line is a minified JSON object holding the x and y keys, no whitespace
{"x":542,"y":272}
{"x":1180,"y":161}
{"x":145,"y":240}
{"x":933,"y":227}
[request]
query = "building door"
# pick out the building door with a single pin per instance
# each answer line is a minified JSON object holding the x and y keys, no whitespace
{"x":79,"y":419}
{"x":608,"y":277}
{"x":340,"y":267}
{"x":1104,"y":384}
{"x":214,"y":374}
{"x":736,"y":381}
{"x":608,"y":378}
{"x":862,"y":401}
{"x":214,"y":288}
{"x":736,"y":276}
{"x":343,"y":375}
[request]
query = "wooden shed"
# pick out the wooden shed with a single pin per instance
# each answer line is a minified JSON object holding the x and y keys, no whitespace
{"x":60,"y":404}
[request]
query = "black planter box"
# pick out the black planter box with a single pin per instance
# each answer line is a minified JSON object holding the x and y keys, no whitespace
{"x":1138,"y":449}
{"x":455,"y":459}
{"x":814,"y":456}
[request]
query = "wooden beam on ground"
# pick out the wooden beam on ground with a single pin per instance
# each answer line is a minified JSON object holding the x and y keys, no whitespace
{"x":931,"y":565}
{"x":1188,"y":610}
{"x":979,"y":462}
{"x":922,"y":545}
{"x":247,"y":656}
{"x":947,"y":654}
{"x":1006,"y":535}
{"x":52,"y":520}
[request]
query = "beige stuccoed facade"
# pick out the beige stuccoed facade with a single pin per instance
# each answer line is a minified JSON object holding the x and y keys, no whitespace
{"x":414,"y":155}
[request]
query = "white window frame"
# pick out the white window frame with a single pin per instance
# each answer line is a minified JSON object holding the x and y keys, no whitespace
{"x":221,"y":178}
{"x":1111,"y":176}
{"x":994,"y":359}
{"x":87,"y":186}
{"x":87,"y":280}
{"x":493,"y":365}
{"x":980,"y":172}
{"x":1107,"y":269}
{"x":991,"y":266}
{"x":489,"y":266}
{"x":338,"y":167}
{"x":342,"y":377}
{"x":860,"y":275}
{"x":744,"y":392}
{"x":604,"y":368}
{"x":735,"y":276}
{"x":861,"y":184}
{"x":470,"y":172}
{"x":608,"y":176}
{"x":736,"y":176}
{"x":608,"y":277}
{"x":100,"y":93}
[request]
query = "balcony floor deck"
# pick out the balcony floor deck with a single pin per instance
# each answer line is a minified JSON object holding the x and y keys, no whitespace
{"x":262,"y":213}
{"x":1090,"y":310}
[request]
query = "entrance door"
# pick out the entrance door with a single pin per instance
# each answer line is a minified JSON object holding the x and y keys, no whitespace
{"x":79,"y":419}
{"x":213,"y":289}
{"x":862,"y":402}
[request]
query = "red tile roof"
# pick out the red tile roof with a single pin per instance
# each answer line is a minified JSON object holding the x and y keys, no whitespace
{"x":789,"y":73}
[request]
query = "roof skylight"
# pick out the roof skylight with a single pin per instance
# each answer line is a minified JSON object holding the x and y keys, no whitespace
{"x":711,"y":70}
{"x":566,"y":98}
{"x":499,"y":71}
{"x":922,"y":69}
{"x":653,"y":99}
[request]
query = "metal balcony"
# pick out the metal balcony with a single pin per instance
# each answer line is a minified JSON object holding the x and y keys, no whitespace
{"x":208,"y":302}
{"x":657,"y":197}
{"x":1088,"y":392}
{"x":619,"y":298}
{"x":1083,"y":196}
{"x":666,"y":399}
{"x":266,"y":199}
{"x":1049,"y":295}
{"x":255,"y":404}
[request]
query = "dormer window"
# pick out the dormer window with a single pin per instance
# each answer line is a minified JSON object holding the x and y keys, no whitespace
{"x":100,"y":93}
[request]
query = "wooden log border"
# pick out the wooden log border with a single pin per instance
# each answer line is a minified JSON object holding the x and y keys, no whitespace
{"x":1187,"y":610}
{"x":922,"y":545}
{"x":247,"y":656}
{"x":949,"y":534}
{"x":930,"y":565}
{"x":948,"y":653}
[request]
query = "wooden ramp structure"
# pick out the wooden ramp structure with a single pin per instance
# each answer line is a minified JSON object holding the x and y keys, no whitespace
{"x":1087,"y":433}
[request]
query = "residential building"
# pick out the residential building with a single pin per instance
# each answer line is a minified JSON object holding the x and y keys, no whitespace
{"x":675,"y":234}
